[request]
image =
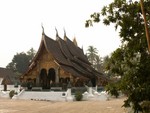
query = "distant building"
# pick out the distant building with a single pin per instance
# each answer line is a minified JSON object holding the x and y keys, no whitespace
{"x":7,"y":78}
{"x":61,"y":61}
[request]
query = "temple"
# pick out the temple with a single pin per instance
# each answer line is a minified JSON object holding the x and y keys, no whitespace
{"x":61,"y":61}
{"x":7,"y":78}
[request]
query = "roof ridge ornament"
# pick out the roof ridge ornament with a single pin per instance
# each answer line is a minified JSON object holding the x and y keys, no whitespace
{"x":42,"y":29}
{"x":57,"y":36}
{"x":65,"y":36}
{"x":75,"y":41}
{"x":82,"y":47}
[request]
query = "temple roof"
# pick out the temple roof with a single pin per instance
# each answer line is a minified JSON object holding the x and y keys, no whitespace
{"x":69,"y":56}
{"x":8,"y":76}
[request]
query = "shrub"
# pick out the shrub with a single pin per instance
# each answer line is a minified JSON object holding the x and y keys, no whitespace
{"x":146,"y":106}
{"x":29,"y":85}
{"x":78,"y":96}
{"x":112,"y":89}
{"x":11,"y":93}
{"x":24,"y":84}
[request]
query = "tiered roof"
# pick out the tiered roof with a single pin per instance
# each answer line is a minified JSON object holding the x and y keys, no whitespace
{"x":68,"y":56}
{"x":8,"y":76}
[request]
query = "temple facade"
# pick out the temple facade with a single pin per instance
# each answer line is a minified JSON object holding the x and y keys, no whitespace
{"x":61,"y":61}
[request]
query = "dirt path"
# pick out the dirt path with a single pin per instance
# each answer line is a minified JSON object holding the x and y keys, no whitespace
{"x":31,"y":106}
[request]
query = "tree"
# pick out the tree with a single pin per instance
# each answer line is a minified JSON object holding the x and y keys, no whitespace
{"x":98,"y":64}
{"x":94,"y":58}
{"x":132,"y":60}
{"x":21,"y":61}
{"x":113,"y":64}
{"x":106,"y":64}
{"x":146,"y":25}
{"x":31,"y":53}
{"x":91,"y":54}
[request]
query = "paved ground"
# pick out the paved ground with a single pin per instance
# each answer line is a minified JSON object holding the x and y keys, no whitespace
{"x":32,"y":106}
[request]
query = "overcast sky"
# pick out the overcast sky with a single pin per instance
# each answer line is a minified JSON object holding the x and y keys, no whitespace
{"x":20,"y":25}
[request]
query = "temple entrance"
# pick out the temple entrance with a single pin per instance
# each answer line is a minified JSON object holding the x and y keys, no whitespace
{"x":43,"y":78}
{"x":93,"y":81}
{"x":51,"y":77}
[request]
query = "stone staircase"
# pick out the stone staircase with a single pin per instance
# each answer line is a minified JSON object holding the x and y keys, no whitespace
{"x":92,"y":94}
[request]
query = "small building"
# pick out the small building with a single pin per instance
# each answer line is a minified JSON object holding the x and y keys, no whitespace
{"x":61,"y":61}
{"x":7,"y":79}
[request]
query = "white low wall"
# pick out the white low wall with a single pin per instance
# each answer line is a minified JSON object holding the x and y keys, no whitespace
{"x":10,"y":87}
{"x":4,"y":94}
{"x":40,"y":95}
{"x":1,"y":80}
{"x":1,"y":87}
{"x":54,"y":96}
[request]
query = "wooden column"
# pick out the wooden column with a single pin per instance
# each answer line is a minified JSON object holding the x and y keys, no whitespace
{"x":57,"y":71}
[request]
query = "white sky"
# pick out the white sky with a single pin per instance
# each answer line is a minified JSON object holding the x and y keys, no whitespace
{"x":20,"y":25}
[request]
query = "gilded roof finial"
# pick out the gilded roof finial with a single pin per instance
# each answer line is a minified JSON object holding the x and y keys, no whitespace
{"x":82,"y":47}
{"x":42,"y":29}
{"x":56,"y":32}
{"x":75,"y":41}
{"x":65,"y":36}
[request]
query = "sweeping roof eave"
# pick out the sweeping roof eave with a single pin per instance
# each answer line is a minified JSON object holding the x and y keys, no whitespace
{"x":102,"y":76}
{"x":76,"y":51}
{"x":53,"y":48}
{"x":8,"y":76}
{"x":73,"y":71}
{"x":67,"y":55}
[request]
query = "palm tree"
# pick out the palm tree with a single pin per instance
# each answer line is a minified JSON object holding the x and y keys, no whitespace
{"x":106,"y":64}
{"x":92,"y":54}
{"x":98,"y":62}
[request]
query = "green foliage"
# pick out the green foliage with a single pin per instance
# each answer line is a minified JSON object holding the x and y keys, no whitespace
{"x":112,"y":89}
{"x":131,"y":61}
{"x":29,"y":85}
{"x":91,"y":54}
{"x":94,"y":58}
{"x":11,"y":93}
{"x":24,"y":84}
{"x":20,"y":61}
{"x":113,"y":65}
{"x":78,"y":96}
{"x":31,"y":53}
{"x":146,"y":106}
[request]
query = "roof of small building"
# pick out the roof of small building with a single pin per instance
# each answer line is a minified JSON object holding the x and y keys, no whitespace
{"x":68,"y":55}
{"x":8,"y":76}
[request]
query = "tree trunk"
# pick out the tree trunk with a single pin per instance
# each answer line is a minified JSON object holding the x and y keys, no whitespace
{"x":146,"y":26}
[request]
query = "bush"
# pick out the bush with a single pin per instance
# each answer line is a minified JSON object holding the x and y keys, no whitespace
{"x":24,"y":84}
{"x":78,"y":96}
{"x":146,"y":106}
{"x":11,"y":93}
{"x":112,"y":89}
{"x":29,"y":85}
